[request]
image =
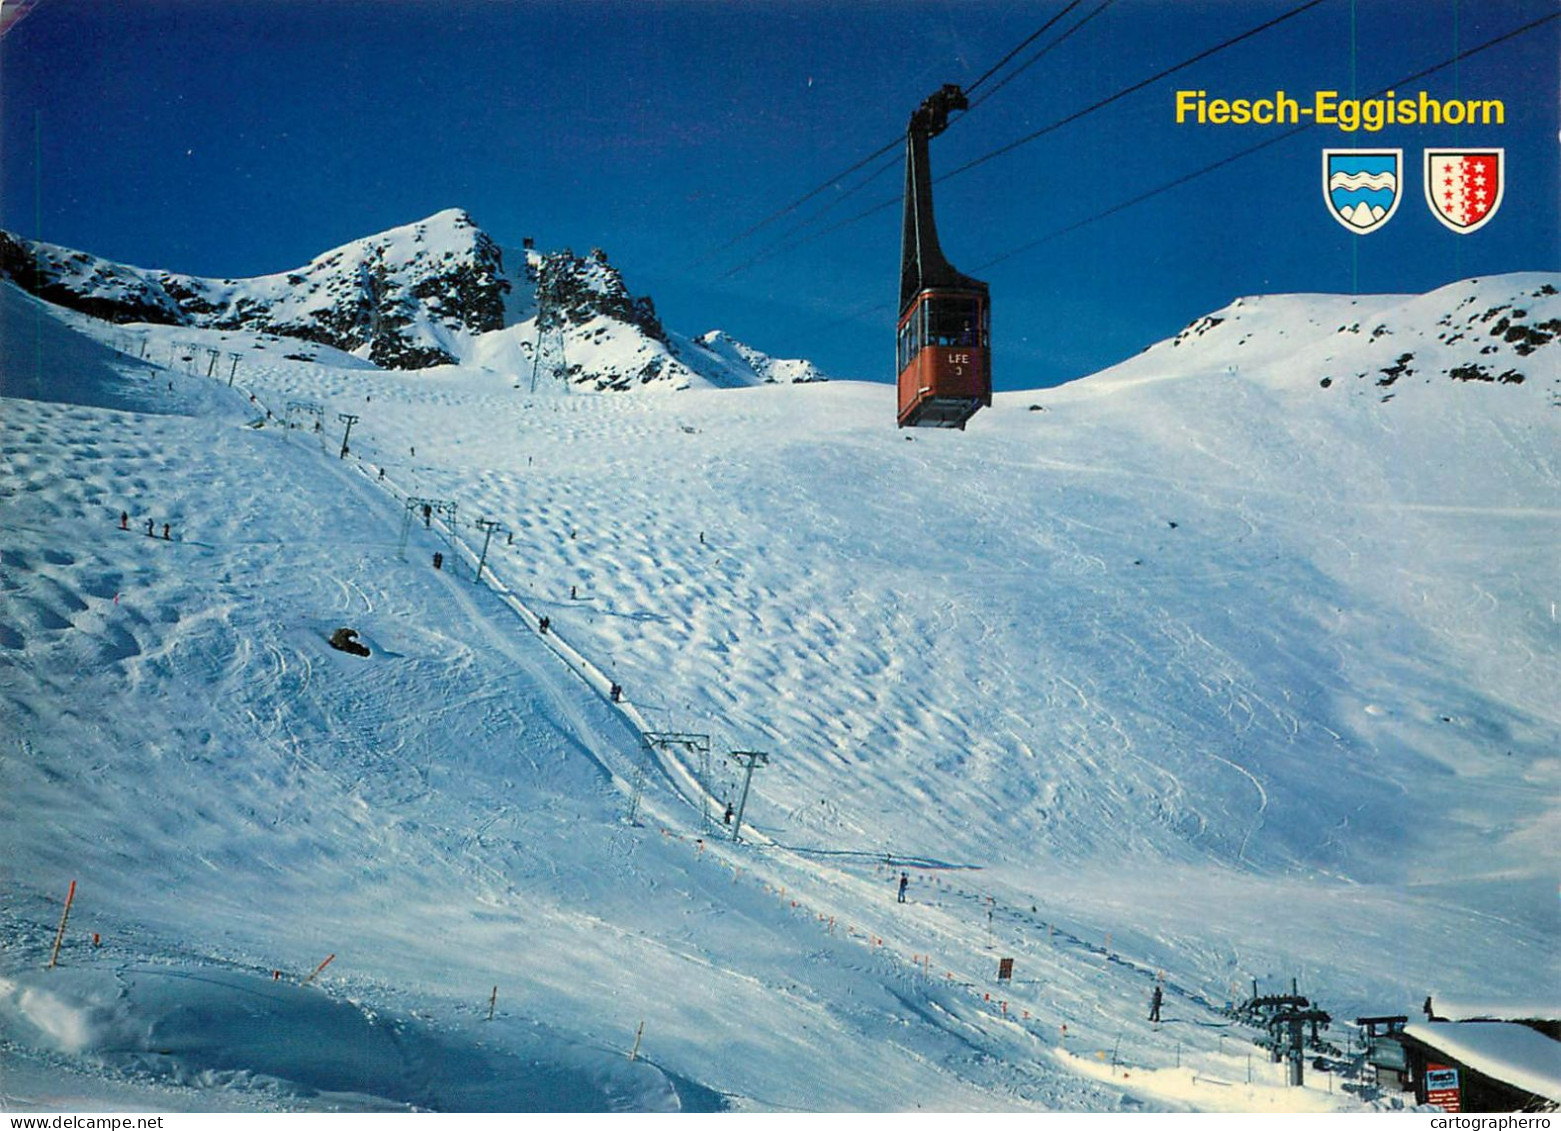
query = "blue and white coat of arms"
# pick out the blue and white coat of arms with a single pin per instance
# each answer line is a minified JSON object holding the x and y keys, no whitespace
{"x":1362,"y":186}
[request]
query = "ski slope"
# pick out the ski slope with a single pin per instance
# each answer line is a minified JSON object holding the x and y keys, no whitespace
{"x":1195,"y":670}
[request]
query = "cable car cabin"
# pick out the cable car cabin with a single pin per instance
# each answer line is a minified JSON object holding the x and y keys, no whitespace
{"x":943,"y":355}
{"x":944,"y":359}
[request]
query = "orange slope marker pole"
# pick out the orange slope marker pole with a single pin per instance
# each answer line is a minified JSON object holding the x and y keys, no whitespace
{"x":59,"y":936}
{"x":317,"y":969}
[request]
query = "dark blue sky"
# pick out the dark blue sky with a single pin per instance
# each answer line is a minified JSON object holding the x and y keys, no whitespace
{"x":243,"y":137}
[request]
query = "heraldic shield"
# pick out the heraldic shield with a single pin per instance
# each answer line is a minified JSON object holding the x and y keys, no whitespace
{"x":1464,"y":187}
{"x":1361,"y":186}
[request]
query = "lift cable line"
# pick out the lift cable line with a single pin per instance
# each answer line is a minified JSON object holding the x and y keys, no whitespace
{"x":801,"y":200}
{"x":878,"y":306}
{"x":1011,"y":146}
{"x":894,"y":162}
{"x":1122,"y":206}
{"x":898,"y":140}
{"x":789,"y":239}
{"x":1036,"y":58}
{"x":1125,"y":91}
{"x":1029,"y":39}
{"x":1220,"y":164}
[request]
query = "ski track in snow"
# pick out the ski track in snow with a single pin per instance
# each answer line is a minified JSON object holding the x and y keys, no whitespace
{"x":1124,"y":685}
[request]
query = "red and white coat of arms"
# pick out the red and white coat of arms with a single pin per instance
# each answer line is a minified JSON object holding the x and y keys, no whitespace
{"x":1464,"y":187}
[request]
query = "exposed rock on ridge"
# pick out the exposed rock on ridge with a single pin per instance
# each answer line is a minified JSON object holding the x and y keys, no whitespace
{"x":437,"y":292}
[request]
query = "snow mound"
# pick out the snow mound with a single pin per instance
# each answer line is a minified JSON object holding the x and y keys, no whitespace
{"x":240,"y":1031}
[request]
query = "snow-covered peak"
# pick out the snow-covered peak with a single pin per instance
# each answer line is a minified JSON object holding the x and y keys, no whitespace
{"x":449,"y":233}
{"x":430,"y":293}
{"x":405,"y":298}
{"x":1496,"y":330}
{"x":766,"y":369}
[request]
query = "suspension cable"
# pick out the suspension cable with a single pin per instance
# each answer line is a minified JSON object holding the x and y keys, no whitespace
{"x":1125,"y":91}
{"x":1011,"y":146}
{"x":780,"y":244}
{"x":1177,"y":182}
{"x":800,"y":201}
{"x":1220,"y":164}
{"x":1033,"y":59}
{"x":1029,"y":39}
{"x":899,"y":139}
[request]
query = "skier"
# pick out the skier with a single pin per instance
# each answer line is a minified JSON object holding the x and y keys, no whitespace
{"x":165,"y":532}
{"x":728,"y":817}
{"x":904,"y":882}
{"x":149,"y":528}
{"x":124,"y":520}
{"x":1154,"y":1005}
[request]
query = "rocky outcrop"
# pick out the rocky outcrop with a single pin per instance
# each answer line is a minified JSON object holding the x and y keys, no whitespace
{"x":437,"y":292}
{"x":404,"y":299}
{"x":572,"y":291}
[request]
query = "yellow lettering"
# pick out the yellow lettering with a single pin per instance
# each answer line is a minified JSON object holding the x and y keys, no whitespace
{"x":1327,"y":108}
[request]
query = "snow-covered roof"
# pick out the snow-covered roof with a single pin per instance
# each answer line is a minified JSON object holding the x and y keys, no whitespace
{"x":1513,"y":1054}
{"x":1486,"y":1009}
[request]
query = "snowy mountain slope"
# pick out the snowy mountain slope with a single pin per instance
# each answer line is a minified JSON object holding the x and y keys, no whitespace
{"x":432,"y":293}
{"x":763,"y":368}
{"x":403,"y":298}
{"x":1206,"y":670}
{"x":217,"y":736}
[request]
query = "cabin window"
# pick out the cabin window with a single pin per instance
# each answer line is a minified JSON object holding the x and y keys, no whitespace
{"x":941,"y":320}
{"x":907,"y":343}
{"x":954,"y":321}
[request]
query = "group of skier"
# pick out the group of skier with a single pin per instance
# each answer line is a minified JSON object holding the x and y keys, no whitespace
{"x":1156,"y":997}
{"x":151,"y":527}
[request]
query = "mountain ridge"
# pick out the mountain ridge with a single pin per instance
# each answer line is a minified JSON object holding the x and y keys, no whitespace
{"x":413,"y":297}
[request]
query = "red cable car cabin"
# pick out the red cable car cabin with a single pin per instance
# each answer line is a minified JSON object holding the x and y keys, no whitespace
{"x":944,"y":358}
{"x":943,"y":354}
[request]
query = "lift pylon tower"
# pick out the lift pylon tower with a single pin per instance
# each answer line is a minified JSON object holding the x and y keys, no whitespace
{"x":549,"y":367}
{"x":754,"y":758}
{"x":693,"y":744}
{"x":426,"y":509}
